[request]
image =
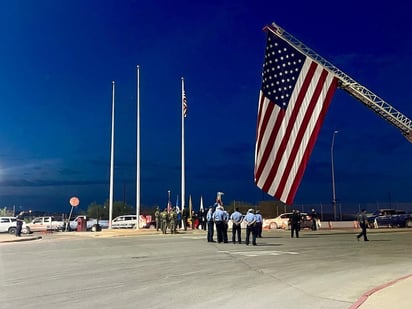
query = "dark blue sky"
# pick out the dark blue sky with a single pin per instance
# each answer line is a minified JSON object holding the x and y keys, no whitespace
{"x":58,"y":60}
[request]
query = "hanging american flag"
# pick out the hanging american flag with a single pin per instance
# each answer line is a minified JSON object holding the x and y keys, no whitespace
{"x":294,"y":97}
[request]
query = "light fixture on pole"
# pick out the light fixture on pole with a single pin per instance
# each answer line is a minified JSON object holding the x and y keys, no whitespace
{"x":333,"y":175}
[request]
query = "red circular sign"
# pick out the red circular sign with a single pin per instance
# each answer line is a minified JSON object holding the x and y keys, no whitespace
{"x":74,"y":201}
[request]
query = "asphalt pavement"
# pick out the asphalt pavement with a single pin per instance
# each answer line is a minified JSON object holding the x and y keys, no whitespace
{"x":393,"y":294}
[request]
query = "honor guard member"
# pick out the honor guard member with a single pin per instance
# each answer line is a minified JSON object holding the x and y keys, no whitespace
{"x":172,"y":221}
{"x":250,"y":220}
{"x":259,"y":224}
{"x":163,"y":217}
{"x":157,"y":218}
{"x":236,"y":218}
{"x":225,"y":225}
{"x":210,"y":225}
{"x":218,"y":217}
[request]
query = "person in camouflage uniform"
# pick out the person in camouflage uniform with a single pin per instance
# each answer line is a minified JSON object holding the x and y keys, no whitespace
{"x":157,"y":218}
{"x":172,"y":221}
{"x":164,"y":217}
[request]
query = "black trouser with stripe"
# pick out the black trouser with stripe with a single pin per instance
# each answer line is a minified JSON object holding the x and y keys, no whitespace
{"x":210,"y":230}
{"x":219,"y":230}
{"x":236,"y":231}
{"x":251,"y":229}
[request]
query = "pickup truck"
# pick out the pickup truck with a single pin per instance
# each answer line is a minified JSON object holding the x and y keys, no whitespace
{"x":390,"y":218}
{"x":91,"y":223}
{"x":42,"y":224}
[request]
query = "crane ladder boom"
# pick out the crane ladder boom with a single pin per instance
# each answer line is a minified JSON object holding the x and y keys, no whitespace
{"x":367,"y":97}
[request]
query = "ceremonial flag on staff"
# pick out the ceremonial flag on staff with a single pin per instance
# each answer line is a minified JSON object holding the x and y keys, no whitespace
{"x":169,"y":206}
{"x":184,"y":113}
{"x":295,"y":94}
{"x":184,"y":102}
{"x":201,"y":203}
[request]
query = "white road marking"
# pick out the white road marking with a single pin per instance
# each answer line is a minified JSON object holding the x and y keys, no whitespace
{"x":259,"y":253}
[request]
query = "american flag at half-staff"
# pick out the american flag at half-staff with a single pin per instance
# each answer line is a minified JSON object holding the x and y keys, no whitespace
{"x":295,"y":94}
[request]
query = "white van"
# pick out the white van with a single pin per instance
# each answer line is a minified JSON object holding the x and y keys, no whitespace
{"x":124,"y":222}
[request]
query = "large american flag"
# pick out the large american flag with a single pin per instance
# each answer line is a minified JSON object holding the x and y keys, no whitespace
{"x":294,"y":97}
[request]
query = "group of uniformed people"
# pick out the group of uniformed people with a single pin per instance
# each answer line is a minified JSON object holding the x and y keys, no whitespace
{"x":166,"y":220}
{"x":218,"y":217}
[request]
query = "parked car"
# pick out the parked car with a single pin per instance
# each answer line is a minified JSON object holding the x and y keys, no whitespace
{"x":279,"y":222}
{"x":124,"y":222}
{"x":282,"y":221}
{"x":9,"y":225}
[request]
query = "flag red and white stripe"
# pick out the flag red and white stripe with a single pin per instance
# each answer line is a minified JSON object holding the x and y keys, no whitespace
{"x":295,"y":95}
{"x":184,"y":103}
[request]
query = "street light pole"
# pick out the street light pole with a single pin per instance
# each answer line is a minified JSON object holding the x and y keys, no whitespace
{"x":333,"y":175}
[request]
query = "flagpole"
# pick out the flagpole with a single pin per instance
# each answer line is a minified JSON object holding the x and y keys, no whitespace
{"x":183,"y":145}
{"x":190,"y":210}
{"x":138,"y":147}
{"x":111,"y":163}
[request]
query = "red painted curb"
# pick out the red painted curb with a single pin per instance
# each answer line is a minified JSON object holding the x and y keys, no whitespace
{"x":367,"y":294}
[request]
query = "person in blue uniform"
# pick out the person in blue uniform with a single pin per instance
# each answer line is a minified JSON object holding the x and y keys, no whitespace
{"x":210,"y":225}
{"x":236,"y":218}
{"x":250,"y":220}
{"x":218,"y":218}
{"x":259,"y":224}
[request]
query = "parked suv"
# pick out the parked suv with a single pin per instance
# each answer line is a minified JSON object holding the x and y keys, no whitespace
{"x":124,"y":222}
{"x":9,"y":225}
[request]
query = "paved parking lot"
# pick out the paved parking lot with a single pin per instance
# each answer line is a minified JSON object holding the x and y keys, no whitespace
{"x":129,"y":269}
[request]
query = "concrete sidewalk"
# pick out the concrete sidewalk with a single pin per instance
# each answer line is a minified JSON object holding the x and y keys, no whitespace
{"x":5,"y":237}
{"x":394,"y":294}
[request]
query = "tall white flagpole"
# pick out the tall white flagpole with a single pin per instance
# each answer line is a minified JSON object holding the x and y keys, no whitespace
{"x":183,"y":103}
{"x":138,"y":148}
{"x":111,"y":163}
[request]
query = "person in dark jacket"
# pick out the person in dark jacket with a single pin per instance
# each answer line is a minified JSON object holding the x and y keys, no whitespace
{"x":363,"y":223}
{"x":295,"y":223}
{"x":314,"y":218}
{"x":19,"y":223}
